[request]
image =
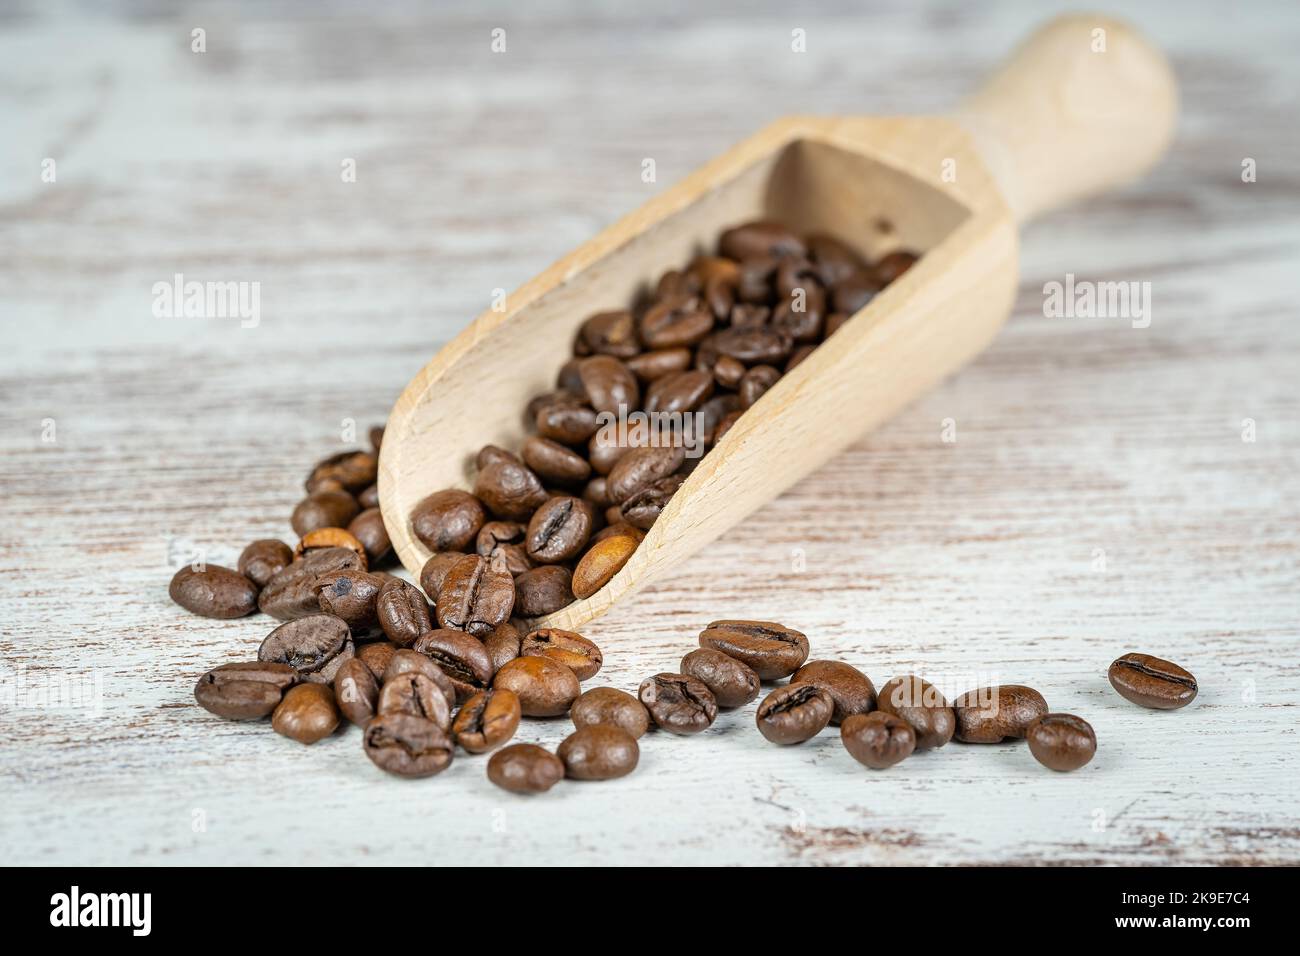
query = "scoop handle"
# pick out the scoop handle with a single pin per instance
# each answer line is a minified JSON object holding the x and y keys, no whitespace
{"x":1083,"y":105}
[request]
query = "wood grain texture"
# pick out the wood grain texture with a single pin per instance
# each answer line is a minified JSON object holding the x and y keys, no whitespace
{"x":970,"y":560}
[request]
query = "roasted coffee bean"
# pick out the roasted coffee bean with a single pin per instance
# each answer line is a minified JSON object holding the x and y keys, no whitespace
{"x":559,"y":530}
{"x":679,"y":392}
{"x":596,"y":495}
{"x":293,"y":593}
{"x":356,"y":691}
{"x":307,"y":713}
{"x":713,"y":412}
{"x":448,"y":520}
{"x":407,"y":746}
{"x":893,"y":265}
{"x":323,"y":539}
{"x":609,"y":333}
{"x":606,"y":705}
{"x":851,"y":690}
{"x":264,"y":559}
{"x":554,"y":462}
{"x":435,"y":571}
{"x":349,"y":470}
{"x":599,"y":752}
{"x":504,"y":539}
{"x":402,"y":612}
{"x":708,"y":268}
{"x":801,"y":318}
{"x":797,"y":356}
{"x":642,"y":467}
{"x":654,"y":365}
{"x":772,"y":650}
{"x":622,"y":529}
{"x":754,"y":285}
{"x":569,"y":648}
{"x":487,"y":720}
{"x":353,"y":596}
{"x":566,"y":418}
{"x":988,"y":715}
{"x":315,"y":647}
{"x":853,"y":293}
{"x":213,"y":592}
{"x":1151,"y":682}
{"x":794,"y":713}
{"x":726,"y":425}
{"x":476,"y":595}
{"x":324,"y":509}
{"x":679,"y":704}
{"x":525,"y":768}
{"x":755,"y":384}
{"x":368,"y":498}
{"x":728,"y":371}
{"x":797,"y":274}
{"x":1061,"y":741}
{"x":732,"y":682}
{"x":415,"y":694}
{"x":244,"y":691}
{"x":877,"y":740}
{"x":406,"y":661}
{"x":644,"y":507}
{"x":376,"y":656}
{"x":920,"y":704}
{"x":545,"y":688}
{"x":462,"y":658}
{"x":608,"y":385}
{"x":368,"y":528}
{"x":834,"y":259}
{"x":568,"y":379}
{"x":834,"y":321}
{"x":606,"y":449}
{"x":376,"y":438}
{"x":603,"y":560}
{"x":503,"y":645}
{"x":510,"y":490}
{"x":760,"y":238}
{"x":678,"y":321}
{"x":490,"y":454}
{"x":753,"y":346}
{"x":543,"y":590}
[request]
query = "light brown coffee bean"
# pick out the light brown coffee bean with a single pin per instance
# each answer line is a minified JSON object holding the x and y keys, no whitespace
{"x":487,"y":720}
{"x":603,"y":560}
{"x":307,"y":713}
{"x":924,"y":708}
{"x":544,"y":688}
{"x":988,"y":715}
{"x":569,"y":648}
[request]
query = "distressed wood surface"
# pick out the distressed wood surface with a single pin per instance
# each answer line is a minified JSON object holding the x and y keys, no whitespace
{"x":1099,"y":496}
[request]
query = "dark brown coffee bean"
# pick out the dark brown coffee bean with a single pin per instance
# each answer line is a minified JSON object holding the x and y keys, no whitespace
{"x":544,"y":688}
{"x":1061,"y":741}
{"x":315,"y":647}
{"x":728,"y":371}
{"x":1151,"y":682}
{"x":920,"y":704}
{"x":213,"y":592}
{"x":642,"y":467}
{"x":368,"y":528}
{"x":324,"y":509}
{"x":676,"y":322}
{"x":353,"y":596}
{"x":376,"y":437}
{"x":835,"y":260}
{"x":713,"y":412}
{"x":264,"y":559}
{"x":554,"y":462}
{"x":609,"y":333}
{"x":801,"y":317}
{"x":797,"y":356}
{"x":448,"y":520}
{"x":606,"y":705}
{"x":755,"y":384}
{"x":679,"y":392}
{"x":376,"y":656}
{"x":603,"y":560}
{"x":461,"y":657}
{"x":726,"y":425}
{"x":402,"y":612}
{"x":834,"y":321}
{"x":644,"y":507}
{"x":599,"y":752}
{"x":510,"y":490}
{"x":489,"y":454}
{"x":405,"y":661}
{"x":795,"y":273}
{"x":732,"y":682}
{"x":772,"y":650}
{"x":525,"y":768}
{"x":760,"y":238}
{"x":543,"y":590}
{"x":752,"y":345}
{"x":559,"y":530}
{"x":754,"y":286}
{"x":434,"y":572}
{"x":487,"y":720}
{"x":654,"y":365}
{"x":608,"y":385}
{"x":794,"y":713}
{"x":349,"y":470}
{"x":293,"y":594}
{"x":244,"y":691}
{"x":568,"y":379}
{"x":851,"y":690}
{"x":854,"y":293}
{"x":877,"y":740}
{"x":356,"y":691}
{"x":307,"y":713}
{"x":407,"y":746}
{"x":567,"y":418}
{"x":476,"y":595}
{"x":596,"y":494}
{"x":503,"y":645}
{"x":416,"y":694}
{"x":988,"y":715}
{"x":679,"y":704}
{"x":368,"y":498}
{"x":506,"y":540}
{"x":569,"y":648}
{"x":893,"y":265}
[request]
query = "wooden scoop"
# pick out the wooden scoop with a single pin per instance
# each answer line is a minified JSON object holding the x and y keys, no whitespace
{"x":1084,"y":105}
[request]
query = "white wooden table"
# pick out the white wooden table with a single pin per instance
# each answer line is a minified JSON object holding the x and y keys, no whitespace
{"x":1099,"y":497}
